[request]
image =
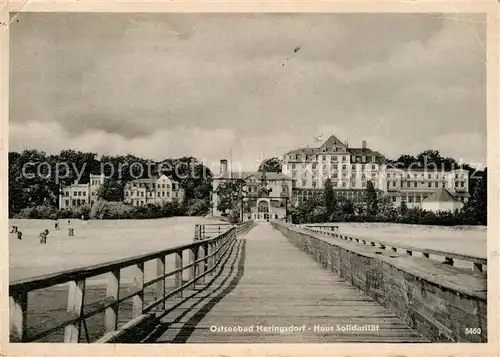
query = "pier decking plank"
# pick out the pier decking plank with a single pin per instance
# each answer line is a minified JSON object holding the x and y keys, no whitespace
{"x":270,"y":282}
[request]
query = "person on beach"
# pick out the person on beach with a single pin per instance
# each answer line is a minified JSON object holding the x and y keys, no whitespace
{"x":19,"y":235}
{"x":56,"y":225}
{"x":43,"y":237}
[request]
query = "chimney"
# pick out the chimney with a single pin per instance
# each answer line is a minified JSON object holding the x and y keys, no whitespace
{"x":223,"y":167}
{"x":363,"y":145}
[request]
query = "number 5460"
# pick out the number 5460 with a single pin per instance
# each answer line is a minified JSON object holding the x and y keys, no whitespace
{"x":472,"y":331}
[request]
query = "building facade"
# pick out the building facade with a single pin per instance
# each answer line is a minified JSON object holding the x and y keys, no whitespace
{"x":263,"y":196}
{"x":415,"y":185}
{"x":350,"y":169}
{"x":81,"y":194}
{"x":442,"y":201}
{"x":152,"y":190}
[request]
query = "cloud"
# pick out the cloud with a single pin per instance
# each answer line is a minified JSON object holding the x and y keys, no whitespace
{"x":227,"y":79}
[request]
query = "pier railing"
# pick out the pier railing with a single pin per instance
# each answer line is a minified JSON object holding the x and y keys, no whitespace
{"x":204,"y":257}
{"x":208,"y":230}
{"x":477,"y":264}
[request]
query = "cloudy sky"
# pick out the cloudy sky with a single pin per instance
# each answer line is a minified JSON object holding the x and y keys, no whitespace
{"x":169,"y":85}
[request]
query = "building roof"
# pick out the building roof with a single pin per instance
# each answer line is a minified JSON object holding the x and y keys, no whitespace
{"x":365,"y":152}
{"x":441,"y":195}
{"x":333,"y":141}
{"x":270,"y":176}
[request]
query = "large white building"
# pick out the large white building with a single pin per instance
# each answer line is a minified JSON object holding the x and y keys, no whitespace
{"x":81,"y":194}
{"x":350,"y":169}
{"x":152,"y":190}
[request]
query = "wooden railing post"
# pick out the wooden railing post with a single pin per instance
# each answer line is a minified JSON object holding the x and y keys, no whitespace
{"x":138,"y":300}
{"x":75,"y":308}
{"x":178,"y":275}
{"x":112,"y":293}
{"x":18,"y":315}
{"x":211,"y":259}
{"x":160,"y":286}
{"x":201,"y":265}
{"x":192,"y":269}
{"x":196,"y":232}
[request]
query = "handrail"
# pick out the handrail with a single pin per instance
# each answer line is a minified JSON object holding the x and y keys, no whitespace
{"x":204,"y":257}
{"x":449,"y":257}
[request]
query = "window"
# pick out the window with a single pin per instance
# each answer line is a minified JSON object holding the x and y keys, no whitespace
{"x":408,"y":184}
{"x":362,"y":167}
{"x":334,"y":167}
{"x":344,"y":167}
{"x":456,"y":176}
{"x":314,"y":184}
{"x":79,"y":193}
{"x":135,"y":185}
{"x":436,"y":185}
{"x":417,"y":199}
{"x":363,"y":177}
{"x":414,"y":184}
{"x":314,"y":166}
{"x":344,"y":184}
{"x":461,"y":184}
{"x":363,"y":184}
{"x":304,"y":182}
{"x":66,"y":193}
{"x":163,"y":185}
{"x":363,"y":158}
{"x":444,"y":184}
{"x":324,"y":157}
{"x":410,"y":199}
{"x":394,"y":184}
{"x":75,"y":193}
{"x":429,"y":176}
{"x":66,"y":203}
{"x":394,"y":199}
{"x":353,"y":167}
{"x":84,"y":193}
{"x":430,"y":184}
{"x":373,"y":167}
{"x":344,"y":159}
{"x":168,"y":194}
{"x":456,"y":184}
{"x":142,"y":194}
{"x":127,"y":193}
{"x":334,"y":183}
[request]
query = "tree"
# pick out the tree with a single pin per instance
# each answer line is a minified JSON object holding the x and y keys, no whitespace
{"x":478,"y":203}
{"x":330,"y":200}
{"x":229,"y":194}
{"x":111,"y":191}
{"x":263,"y":190}
{"x":371,"y":199}
{"x":348,"y":207}
{"x":270,"y":165}
{"x":403,"y":208}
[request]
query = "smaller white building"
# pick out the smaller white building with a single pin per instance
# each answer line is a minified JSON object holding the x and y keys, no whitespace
{"x":152,"y":190}
{"x":81,"y":194}
{"x":442,"y":200}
